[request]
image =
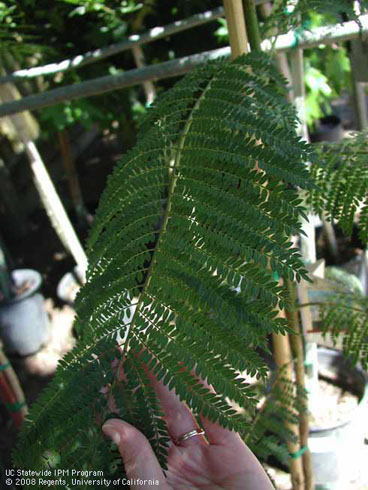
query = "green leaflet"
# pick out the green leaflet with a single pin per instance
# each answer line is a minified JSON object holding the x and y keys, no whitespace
{"x":283,"y":401}
{"x":341,"y":173}
{"x":348,"y":309}
{"x":286,"y":17}
{"x":182,"y":257}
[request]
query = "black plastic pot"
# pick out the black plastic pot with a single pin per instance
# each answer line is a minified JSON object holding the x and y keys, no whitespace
{"x":330,"y":128}
{"x":334,"y":446}
{"x":23,"y":320}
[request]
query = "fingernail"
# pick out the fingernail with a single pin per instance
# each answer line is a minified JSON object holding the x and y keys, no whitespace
{"x":109,"y":428}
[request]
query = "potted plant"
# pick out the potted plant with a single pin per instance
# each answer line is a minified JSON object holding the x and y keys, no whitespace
{"x":337,"y":380}
{"x":23,"y":319}
{"x":341,"y":173}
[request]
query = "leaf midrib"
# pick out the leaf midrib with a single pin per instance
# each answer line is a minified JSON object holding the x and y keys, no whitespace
{"x":174,"y":178}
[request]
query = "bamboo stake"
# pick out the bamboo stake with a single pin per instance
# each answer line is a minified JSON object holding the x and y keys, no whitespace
{"x":152,"y":35}
{"x":282,"y":355}
{"x":236,"y":27}
{"x":110,"y":83}
{"x":308,"y":248}
{"x":308,"y":242}
{"x":296,"y":342}
{"x":238,"y":42}
{"x":54,"y":206}
{"x":27,"y":130}
{"x":173,"y":68}
{"x":349,"y":30}
{"x":306,"y":314}
{"x":297,"y":76}
{"x":309,"y":254}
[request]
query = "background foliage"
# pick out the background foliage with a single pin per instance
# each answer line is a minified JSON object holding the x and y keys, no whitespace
{"x":68,"y":28}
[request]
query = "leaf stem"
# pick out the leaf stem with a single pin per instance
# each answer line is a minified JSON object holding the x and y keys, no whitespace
{"x":171,"y":190}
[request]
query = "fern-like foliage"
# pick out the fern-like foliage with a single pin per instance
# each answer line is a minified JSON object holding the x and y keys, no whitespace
{"x":347,"y":314}
{"x":270,"y":430}
{"x":288,"y":15}
{"x":188,"y":236}
{"x":15,"y":38}
{"x":340,"y":171}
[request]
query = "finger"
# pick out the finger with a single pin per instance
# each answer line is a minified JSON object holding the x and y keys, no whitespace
{"x":179,"y":418}
{"x":215,"y":433}
{"x":138,"y":457}
{"x":219,"y":435}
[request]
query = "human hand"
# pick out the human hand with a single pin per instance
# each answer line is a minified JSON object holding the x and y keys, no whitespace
{"x":221,"y":460}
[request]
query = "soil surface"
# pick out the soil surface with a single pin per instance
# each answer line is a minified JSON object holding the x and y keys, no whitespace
{"x":335,"y":405}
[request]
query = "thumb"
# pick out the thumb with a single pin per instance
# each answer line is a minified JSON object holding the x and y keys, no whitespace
{"x":139,"y":460}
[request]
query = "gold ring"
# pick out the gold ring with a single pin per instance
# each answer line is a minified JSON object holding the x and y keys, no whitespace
{"x":188,"y":435}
